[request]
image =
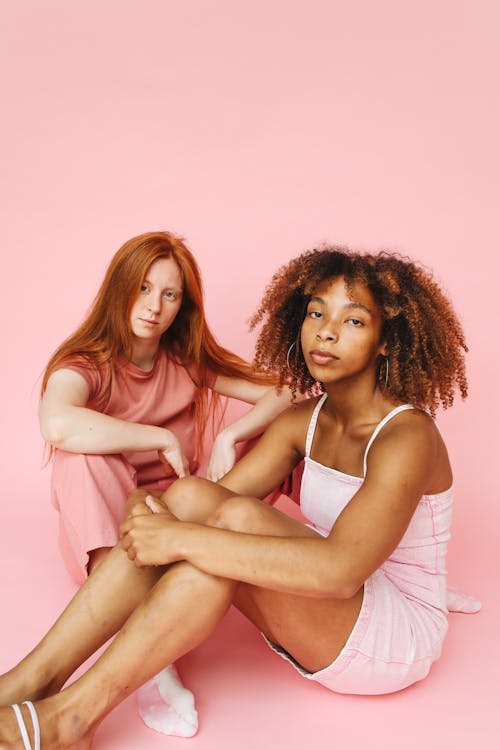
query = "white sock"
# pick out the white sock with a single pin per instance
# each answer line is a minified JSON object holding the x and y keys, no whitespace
{"x":165,"y":705}
{"x":457,"y":601}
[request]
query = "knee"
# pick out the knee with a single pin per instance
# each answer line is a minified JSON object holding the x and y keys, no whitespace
{"x":184,"y":495}
{"x":238,"y":514}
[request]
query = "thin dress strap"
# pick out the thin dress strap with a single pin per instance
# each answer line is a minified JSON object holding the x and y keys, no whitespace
{"x":312,"y":423}
{"x":382,"y":423}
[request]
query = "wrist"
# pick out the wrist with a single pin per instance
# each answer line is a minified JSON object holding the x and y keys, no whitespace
{"x":228,"y":435}
{"x":165,"y":439}
{"x":185,"y":540}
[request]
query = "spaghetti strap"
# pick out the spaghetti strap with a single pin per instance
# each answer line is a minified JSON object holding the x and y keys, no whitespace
{"x":382,"y":423}
{"x":312,"y":423}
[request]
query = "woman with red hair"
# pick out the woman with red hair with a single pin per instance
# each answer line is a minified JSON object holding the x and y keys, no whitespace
{"x":126,"y":397}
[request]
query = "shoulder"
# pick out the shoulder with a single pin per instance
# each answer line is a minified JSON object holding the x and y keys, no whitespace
{"x":409,"y":445}
{"x":410,"y":429}
{"x":65,"y":386}
{"x":410,"y":424}
{"x":294,"y":421}
{"x":85,"y":366}
{"x":79,"y":374}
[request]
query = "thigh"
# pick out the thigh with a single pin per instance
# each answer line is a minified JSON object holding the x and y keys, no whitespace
{"x":312,"y":630}
{"x":90,"y":493}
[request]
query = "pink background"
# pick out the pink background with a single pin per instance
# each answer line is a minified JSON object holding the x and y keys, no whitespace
{"x":255,"y":130}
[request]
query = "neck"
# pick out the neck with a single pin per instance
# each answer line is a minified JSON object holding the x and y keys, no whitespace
{"x":144,"y":355}
{"x":353,"y":402}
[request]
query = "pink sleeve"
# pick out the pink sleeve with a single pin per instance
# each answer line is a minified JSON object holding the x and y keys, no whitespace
{"x":194,"y":373}
{"x":89,"y":373}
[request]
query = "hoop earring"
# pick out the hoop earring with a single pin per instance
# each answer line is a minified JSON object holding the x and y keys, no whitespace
{"x":386,"y":378}
{"x":288,"y":354}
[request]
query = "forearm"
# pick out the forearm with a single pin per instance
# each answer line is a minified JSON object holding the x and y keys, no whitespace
{"x":304,"y":567}
{"x":250,"y":425}
{"x":255,"y":421}
{"x":81,"y":430}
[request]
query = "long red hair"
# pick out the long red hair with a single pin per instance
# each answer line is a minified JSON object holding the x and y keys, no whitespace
{"x":104,"y":338}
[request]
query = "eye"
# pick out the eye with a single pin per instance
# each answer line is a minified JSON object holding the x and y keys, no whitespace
{"x":144,"y":288}
{"x":355,"y":322}
{"x":315,"y":314}
{"x":170,"y":294}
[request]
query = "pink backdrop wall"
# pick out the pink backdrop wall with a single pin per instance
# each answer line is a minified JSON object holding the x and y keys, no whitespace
{"x":255,"y":130}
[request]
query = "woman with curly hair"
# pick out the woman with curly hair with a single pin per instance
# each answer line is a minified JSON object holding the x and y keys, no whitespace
{"x":356,"y":598}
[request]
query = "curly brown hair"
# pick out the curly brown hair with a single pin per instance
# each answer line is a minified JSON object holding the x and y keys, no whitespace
{"x":425,"y":340}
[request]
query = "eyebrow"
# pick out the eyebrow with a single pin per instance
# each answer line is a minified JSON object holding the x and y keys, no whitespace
{"x":348,"y":306}
{"x":167,"y":288}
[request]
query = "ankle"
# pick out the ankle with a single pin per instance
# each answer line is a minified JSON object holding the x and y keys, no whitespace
{"x":63,"y":724}
{"x":20,"y":684}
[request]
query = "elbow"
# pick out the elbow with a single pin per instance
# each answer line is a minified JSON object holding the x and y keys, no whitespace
{"x":340,"y":587}
{"x":347,"y":590}
{"x":53,"y":431}
{"x":343,"y":573}
{"x":341,"y":590}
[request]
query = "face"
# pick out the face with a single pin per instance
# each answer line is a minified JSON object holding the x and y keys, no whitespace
{"x":341,"y":334}
{"x":158,"y":302}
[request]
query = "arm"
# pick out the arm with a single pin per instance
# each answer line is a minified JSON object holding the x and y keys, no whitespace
{"x":67,"y":423}
{"x":401,"y":465}
{"x":274,"y":456}
{"x":267,"y":405}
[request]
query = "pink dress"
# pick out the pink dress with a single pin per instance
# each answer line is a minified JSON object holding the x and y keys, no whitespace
{"x":90,"y":490}
{"x":402,"y":623}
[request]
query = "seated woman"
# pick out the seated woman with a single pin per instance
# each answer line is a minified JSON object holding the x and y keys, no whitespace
{"x":356,"y":601}
{"x":125,"y":399}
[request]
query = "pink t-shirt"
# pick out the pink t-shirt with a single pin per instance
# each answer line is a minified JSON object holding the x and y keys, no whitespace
{"x":164,"y":397}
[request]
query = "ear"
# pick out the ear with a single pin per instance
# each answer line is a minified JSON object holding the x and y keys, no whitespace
{"x":383,"y":349}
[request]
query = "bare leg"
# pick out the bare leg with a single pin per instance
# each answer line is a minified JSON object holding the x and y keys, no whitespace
{"x":164,"y":704}
{"x":93,"y":616}
{"x":181,"y":611}
{"x":96,"y":612}
{"x":135,"y":504}
{"x":96,"y":556}
{"x":190,"y":499}
{"x":312,"y":630}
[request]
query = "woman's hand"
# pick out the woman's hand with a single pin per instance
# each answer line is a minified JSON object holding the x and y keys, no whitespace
{"x":172,"y":455}
{"x":144,"y":502}
{"x":149,"y":539}
{"x":222,"y":457}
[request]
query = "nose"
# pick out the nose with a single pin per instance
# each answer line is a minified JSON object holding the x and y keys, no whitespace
{"x":154,"y":303}
{"x":327,"y":333}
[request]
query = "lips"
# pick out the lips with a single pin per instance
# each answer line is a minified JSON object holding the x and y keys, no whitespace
{"x":149,"y":322}
{"x":322,"y":357}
